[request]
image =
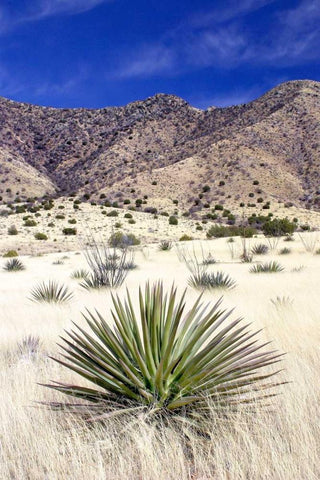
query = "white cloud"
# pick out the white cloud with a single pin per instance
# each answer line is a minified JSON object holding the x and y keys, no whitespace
{"x":150,"y":61}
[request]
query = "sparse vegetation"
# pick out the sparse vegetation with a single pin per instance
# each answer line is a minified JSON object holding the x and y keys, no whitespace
{"x":165,"y":245}
{"x":211,"y":280}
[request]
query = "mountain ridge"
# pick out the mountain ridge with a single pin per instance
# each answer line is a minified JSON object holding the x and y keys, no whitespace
{"x":114,"y":150}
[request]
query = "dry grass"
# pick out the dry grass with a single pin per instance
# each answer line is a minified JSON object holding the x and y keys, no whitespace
{"x":280,"y":442}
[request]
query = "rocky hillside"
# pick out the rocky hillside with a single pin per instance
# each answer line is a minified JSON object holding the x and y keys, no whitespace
{"x":163,"y":148}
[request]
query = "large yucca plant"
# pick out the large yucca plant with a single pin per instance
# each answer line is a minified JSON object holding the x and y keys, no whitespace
{"x":51,"y":292}
{"x":163,"y":359}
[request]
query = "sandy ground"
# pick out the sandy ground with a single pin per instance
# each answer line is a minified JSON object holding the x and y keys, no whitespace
{"x":281,"y":444}
{"x":91,"y":221}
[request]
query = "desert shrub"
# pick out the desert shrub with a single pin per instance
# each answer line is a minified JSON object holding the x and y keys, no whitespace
{"x":128,"y":215}
{"x":40,"y":236}
{"x":118,"y":225}
{"x":288,"y":238}
{"x":164,"y":361}
{"x":185,"y":238}
{"x":219,"y":231}
{"x":69,"y":231}
{"x":173,"y":220}
{"x":211,"y":280}
{"x":113,"y":213}
{"x":317,"y":252}
{"x":131,"y":221}
{"x":165,"y":245}
{"x":10,"y":253}
{"x":12,"y":230}
{"x":30,"y":223}
{"x":51,"y":225}
{"x":209,"y":260}
{"x":60,"y":216}
{"x":50,"y":292}
{"x":278,"y":227}
{"x":13,"y":265}
{"x":260,"y":249}
{"x":269,"y":267}
{"x":123,"y":240}
{"x":72,"y":221}
{"x":198,"y":227}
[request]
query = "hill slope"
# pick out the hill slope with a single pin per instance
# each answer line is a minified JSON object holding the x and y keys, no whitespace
{"x":164,"y":148}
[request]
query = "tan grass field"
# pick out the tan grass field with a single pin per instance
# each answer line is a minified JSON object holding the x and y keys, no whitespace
{"x":280,"y":442}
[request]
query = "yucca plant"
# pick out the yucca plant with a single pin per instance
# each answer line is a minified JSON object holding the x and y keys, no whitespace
{"x":165,"y":245}
{"x":79,"y":274}
{"x":269,"y":267}
{"x":260,"y":249}
{"x":51,"y":292}
{"x":281,"y":302}
{"x":13,"y":265}
{"x":208,"y":280}
{"x":162,"y":359}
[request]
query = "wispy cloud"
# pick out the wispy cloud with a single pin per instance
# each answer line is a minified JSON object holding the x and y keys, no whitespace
{"x":11,"y":17}
{"x":220,"y":40}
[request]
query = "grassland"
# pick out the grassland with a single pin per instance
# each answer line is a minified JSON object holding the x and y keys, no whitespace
{"x":279,"y":442}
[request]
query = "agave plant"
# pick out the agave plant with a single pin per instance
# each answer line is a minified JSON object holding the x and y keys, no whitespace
{"x":163,"y":359}
{"x":51,"y":292}
{"x":269,"y":267}
{"x":13,"y":265}
{"x":209,"y":280}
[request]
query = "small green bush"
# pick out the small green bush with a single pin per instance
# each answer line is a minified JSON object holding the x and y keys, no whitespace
{"x":12,"y":230}
{"x":185,"y":238}
{"x":173,"y":220}
{"x":113,"y":213}
{"x":10,"y":253}
{"x":69,"y":231}
{"x":30,"y":223}
{"x":40,"y":236}
{"x":123,"y":240}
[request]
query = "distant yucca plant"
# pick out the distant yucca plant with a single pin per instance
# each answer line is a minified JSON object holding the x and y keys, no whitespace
{"x":260,"y":249}
{"x":284,"y":251}
{"x":80,"y":274}
{"x":281,"y":302}
{"x":13,"y":265}
{"x":207,"y":280}
{"x":269,"y":267}
{"x":209,"y":260}
{"x":163,"y":360}
{"x":29,"y":346}
{"x":51,"y":292}
{"x":165,"y":245}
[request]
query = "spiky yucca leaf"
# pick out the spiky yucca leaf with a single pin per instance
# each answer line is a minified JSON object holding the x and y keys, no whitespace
{"x":51,"y":292}
{"x":164,"y":359}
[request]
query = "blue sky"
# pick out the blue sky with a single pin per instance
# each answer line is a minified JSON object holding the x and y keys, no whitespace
{"x":96,"y":53}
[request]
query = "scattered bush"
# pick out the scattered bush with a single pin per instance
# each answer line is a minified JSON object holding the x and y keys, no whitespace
{"x":173,"y":220}
{"x":69,"y":231}
{"x":278,"y":227}
{"x":10,"y":253}
{"x":123,"y":240}
{"x":211,"y":280}
{"x":30,"y":223}
{"x":185,"y":238}
{"x":72,"y":221}
{"x":219,"y":231}
{"x":12,"y":230}
{"x":40,"y":236}
{"x":113,"y":213}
